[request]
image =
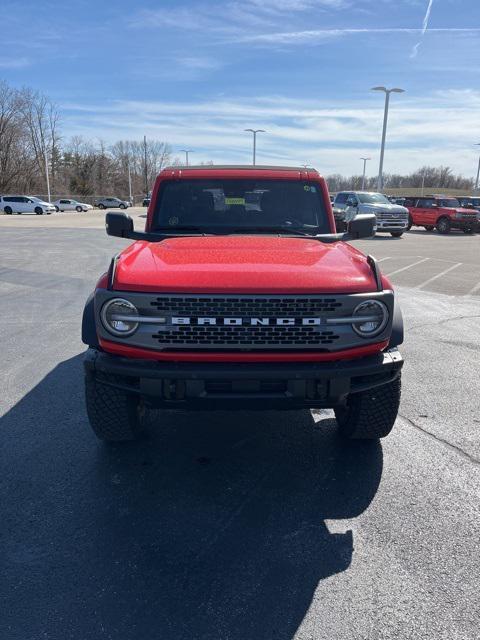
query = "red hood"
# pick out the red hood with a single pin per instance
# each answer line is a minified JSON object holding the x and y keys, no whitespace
{"x":243,"y":264}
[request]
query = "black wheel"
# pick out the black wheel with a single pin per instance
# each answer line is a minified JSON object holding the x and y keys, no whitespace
{"x":468,"y":231}
{"x":8,"y":211}
{"x":122,"y":206}
{"x":443,"y":225}
{"x":429,"y":227}
{"x":38,"y":211}
{"x":101,"y":206}
{"x":57,"y":209}
{"x":79,"y":209}
{"x":396,"y":234}
{"x":113,"y":413}
{"x":370,"y":414}
{"x":410,"y":223}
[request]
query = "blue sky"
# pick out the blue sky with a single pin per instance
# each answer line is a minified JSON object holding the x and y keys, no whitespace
{"x":196,"y":73}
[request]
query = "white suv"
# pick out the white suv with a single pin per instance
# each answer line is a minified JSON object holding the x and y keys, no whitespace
{"x":25,"y":204}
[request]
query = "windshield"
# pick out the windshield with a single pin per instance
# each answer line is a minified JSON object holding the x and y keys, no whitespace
{"x":449,"y":202}
{"x":373,"y":198}
{"x":237,"y":205}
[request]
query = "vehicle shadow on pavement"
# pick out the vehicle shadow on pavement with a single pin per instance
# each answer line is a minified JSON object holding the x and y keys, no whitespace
{"x":212,"y":527}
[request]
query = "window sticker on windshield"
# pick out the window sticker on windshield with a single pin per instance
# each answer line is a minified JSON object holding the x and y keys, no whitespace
{"x":173,"y":221}
{"x":313,"y":189}
{"x":235,"y":201}
{"x":306,"y":187}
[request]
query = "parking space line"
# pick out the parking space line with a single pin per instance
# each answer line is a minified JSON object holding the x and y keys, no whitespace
{"x":407,"y":267}
{"x":474,"y":290}
{"x":382,"y":259}
{"x":439,"y":275}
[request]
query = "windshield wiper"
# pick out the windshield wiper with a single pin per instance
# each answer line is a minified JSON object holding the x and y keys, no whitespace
{"x":271,"y":230}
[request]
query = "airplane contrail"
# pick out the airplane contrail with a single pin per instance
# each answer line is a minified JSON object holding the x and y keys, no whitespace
{"x":426,"y":20}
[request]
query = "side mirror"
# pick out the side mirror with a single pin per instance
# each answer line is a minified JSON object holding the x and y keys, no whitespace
{"x":119,"y":225}
{"x":362,"y":226}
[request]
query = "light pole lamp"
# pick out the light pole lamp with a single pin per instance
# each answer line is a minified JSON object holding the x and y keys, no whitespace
{"x":364,"y":171}
{"x":384,"y":131}
{"x":186,"y":152}
{"x":255,"y":131}
{"x":478,"y":171}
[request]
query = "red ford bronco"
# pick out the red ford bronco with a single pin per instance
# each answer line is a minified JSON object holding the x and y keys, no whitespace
{"x":239,"y":294}
{"x":441,"y":212}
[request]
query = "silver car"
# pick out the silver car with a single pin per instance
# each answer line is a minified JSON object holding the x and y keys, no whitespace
{"x":391,"y":218}
{"x":112,"y":203}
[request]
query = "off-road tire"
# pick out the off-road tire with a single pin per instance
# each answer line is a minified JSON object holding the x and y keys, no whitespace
{"x":8,"y":211}
{"x":371,"y":414}
{"x":113,"y":413}
{"x":444,"y":226}
{"x":396,"y":234}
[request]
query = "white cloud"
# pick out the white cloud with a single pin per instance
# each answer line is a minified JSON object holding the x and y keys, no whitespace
{"x":432,"y":130}
{"x":232,"y":16}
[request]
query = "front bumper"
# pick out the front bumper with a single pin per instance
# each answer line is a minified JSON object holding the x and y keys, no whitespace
{"x":458,"y":223}
{"x":243,"y":385}
{"x":392,"y":225}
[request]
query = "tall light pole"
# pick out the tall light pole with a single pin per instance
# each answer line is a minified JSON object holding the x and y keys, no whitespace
{"x":384,"y":131}
{"x":255,"y":131}
{"x":478,"y":171}
{"x":364,"y":171}
{"x":186,"y":152}
{"x":46,"y":172}
{"x":145,"y":164}
{"x":130,"y":184}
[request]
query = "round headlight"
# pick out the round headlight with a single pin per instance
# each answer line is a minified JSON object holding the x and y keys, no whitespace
{"x":372,"y":318}
{"x":118,"y":317}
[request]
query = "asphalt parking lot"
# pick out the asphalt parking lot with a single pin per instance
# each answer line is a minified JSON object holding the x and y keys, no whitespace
{"x":235,"y":526}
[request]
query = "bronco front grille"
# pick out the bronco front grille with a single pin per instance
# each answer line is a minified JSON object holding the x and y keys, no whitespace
{"x":246,"y":306}
{"x":244,"y":336}
{"x":236,"y":322}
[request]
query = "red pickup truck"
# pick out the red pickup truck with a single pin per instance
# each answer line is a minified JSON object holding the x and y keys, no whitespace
{"x":440,"y":212}
{"x":240,"y":295}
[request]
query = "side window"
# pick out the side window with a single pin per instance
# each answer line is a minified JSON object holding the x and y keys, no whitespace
{"x":9,"y":199}
{"x":428,"y":203}
{"x":341,"y":198}
{"x":410,"y":202}
{"x":64,"y":201}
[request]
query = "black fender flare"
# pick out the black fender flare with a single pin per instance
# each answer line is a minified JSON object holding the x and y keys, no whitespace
{"x":89,"y":331}
{"x":396,"y":337}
